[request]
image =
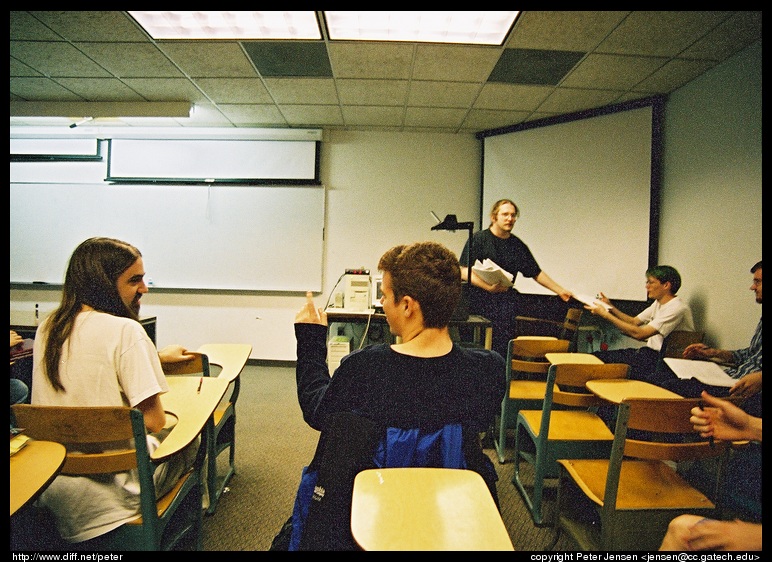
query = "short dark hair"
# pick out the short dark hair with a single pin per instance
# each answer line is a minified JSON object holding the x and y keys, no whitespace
{"x":756,"y":267}
{"x":429,"y":273}
{"x":666,"y":274}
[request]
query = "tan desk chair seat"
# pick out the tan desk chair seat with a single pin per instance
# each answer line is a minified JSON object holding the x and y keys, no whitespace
{"x":526,"y":382}
{"x":625,"y":502}
{"x":570,"y":425}
{"x":643,"y":484}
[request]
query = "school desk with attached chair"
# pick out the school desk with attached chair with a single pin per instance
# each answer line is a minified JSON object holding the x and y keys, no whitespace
{"x":167,"y":522}
{"x":231,"y":358}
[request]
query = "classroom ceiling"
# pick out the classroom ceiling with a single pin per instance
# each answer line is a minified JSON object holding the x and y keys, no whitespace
{"x":552,"y":63}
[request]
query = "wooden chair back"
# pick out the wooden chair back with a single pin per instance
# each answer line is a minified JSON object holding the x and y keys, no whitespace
{"x":564,"y":330}
{"x":663,"y":419}
{"x":526,"y":349}
{"x":571,"y":324}
{"x":678,"y":340}
{"x":110,"y":439}
{"x":527,"y":357}
{"x":83,"y":429}
{"x":566,"y":383}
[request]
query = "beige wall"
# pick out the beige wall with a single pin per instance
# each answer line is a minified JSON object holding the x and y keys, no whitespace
{"x":381,"y":187}
{"x":710,"y":228}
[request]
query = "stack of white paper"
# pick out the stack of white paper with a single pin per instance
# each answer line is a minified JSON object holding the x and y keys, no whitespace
{"x":491,"y":273}
{"x":591,"y":301}
{"x":704,"y":371}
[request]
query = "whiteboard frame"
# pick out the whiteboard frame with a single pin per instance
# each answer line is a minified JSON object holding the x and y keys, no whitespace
{"x":229,"y":161}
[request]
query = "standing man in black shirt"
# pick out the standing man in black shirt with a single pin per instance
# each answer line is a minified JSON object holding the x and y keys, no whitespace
{"x":498,"y":303}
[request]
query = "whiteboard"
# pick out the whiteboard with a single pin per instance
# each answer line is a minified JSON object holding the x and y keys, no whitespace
{"x":587,"y":198}
{"x":262,"y":238}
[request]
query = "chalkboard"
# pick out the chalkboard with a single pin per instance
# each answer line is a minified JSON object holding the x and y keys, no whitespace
{"x":262,"y":238}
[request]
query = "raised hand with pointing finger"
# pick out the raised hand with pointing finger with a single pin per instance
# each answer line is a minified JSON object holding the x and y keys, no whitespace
{"x":309,"y":314}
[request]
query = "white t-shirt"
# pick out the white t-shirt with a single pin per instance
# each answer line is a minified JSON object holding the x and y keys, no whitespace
{"x":107,"y":361}
{"x":673,"y":315}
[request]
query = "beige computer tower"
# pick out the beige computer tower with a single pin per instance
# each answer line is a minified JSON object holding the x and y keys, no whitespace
{"x":337,"y":348}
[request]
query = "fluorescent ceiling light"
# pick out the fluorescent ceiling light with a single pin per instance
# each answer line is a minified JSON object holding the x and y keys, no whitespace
{"x":477,"y":28}
{"x":229,"y":25}
{"x":480,"y":28}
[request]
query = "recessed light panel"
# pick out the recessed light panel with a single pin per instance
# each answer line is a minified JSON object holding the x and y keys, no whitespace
{"x":479,"y":28}
{"x":229,"y":25}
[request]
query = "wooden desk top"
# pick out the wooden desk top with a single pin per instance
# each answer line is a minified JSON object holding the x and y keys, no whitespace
{"x":425,"y":509}
{"x":191,"y":408}
{"x":616,"y":390}
{"x":573,"y":358}
{"x":230,"y":357}
{"x":32,"y":469}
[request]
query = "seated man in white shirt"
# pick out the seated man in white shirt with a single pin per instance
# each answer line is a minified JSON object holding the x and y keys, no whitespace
{"x":666,"y":314}
{"x":92,"y":351}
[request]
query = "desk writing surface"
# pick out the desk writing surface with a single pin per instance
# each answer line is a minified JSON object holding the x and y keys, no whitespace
{"x":572,"y":358}
{"x":191,"y":408}
{"x":425,"y":509}
{"x":230,"y":357}
{"x":616,"y":390}
{"x":536,"y":338}
{"x":33,"y":468}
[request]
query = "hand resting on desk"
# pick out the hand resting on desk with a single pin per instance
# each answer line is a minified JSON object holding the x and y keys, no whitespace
{"x":174,"y":354}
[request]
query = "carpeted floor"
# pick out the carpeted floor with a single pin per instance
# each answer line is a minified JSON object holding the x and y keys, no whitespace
{"x":273,"y":445}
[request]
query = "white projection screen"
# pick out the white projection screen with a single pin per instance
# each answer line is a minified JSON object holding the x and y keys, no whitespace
{"x":587,"y":190}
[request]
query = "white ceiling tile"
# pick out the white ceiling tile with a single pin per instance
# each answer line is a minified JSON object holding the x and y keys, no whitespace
{"x":310,"y":91}
{"x":353,"y":91}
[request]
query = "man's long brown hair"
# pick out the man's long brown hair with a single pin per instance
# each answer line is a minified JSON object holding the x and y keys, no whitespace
{"x":91,"y":279}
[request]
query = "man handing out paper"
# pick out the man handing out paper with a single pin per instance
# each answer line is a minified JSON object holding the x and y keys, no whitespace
{"x":499,"y":302}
